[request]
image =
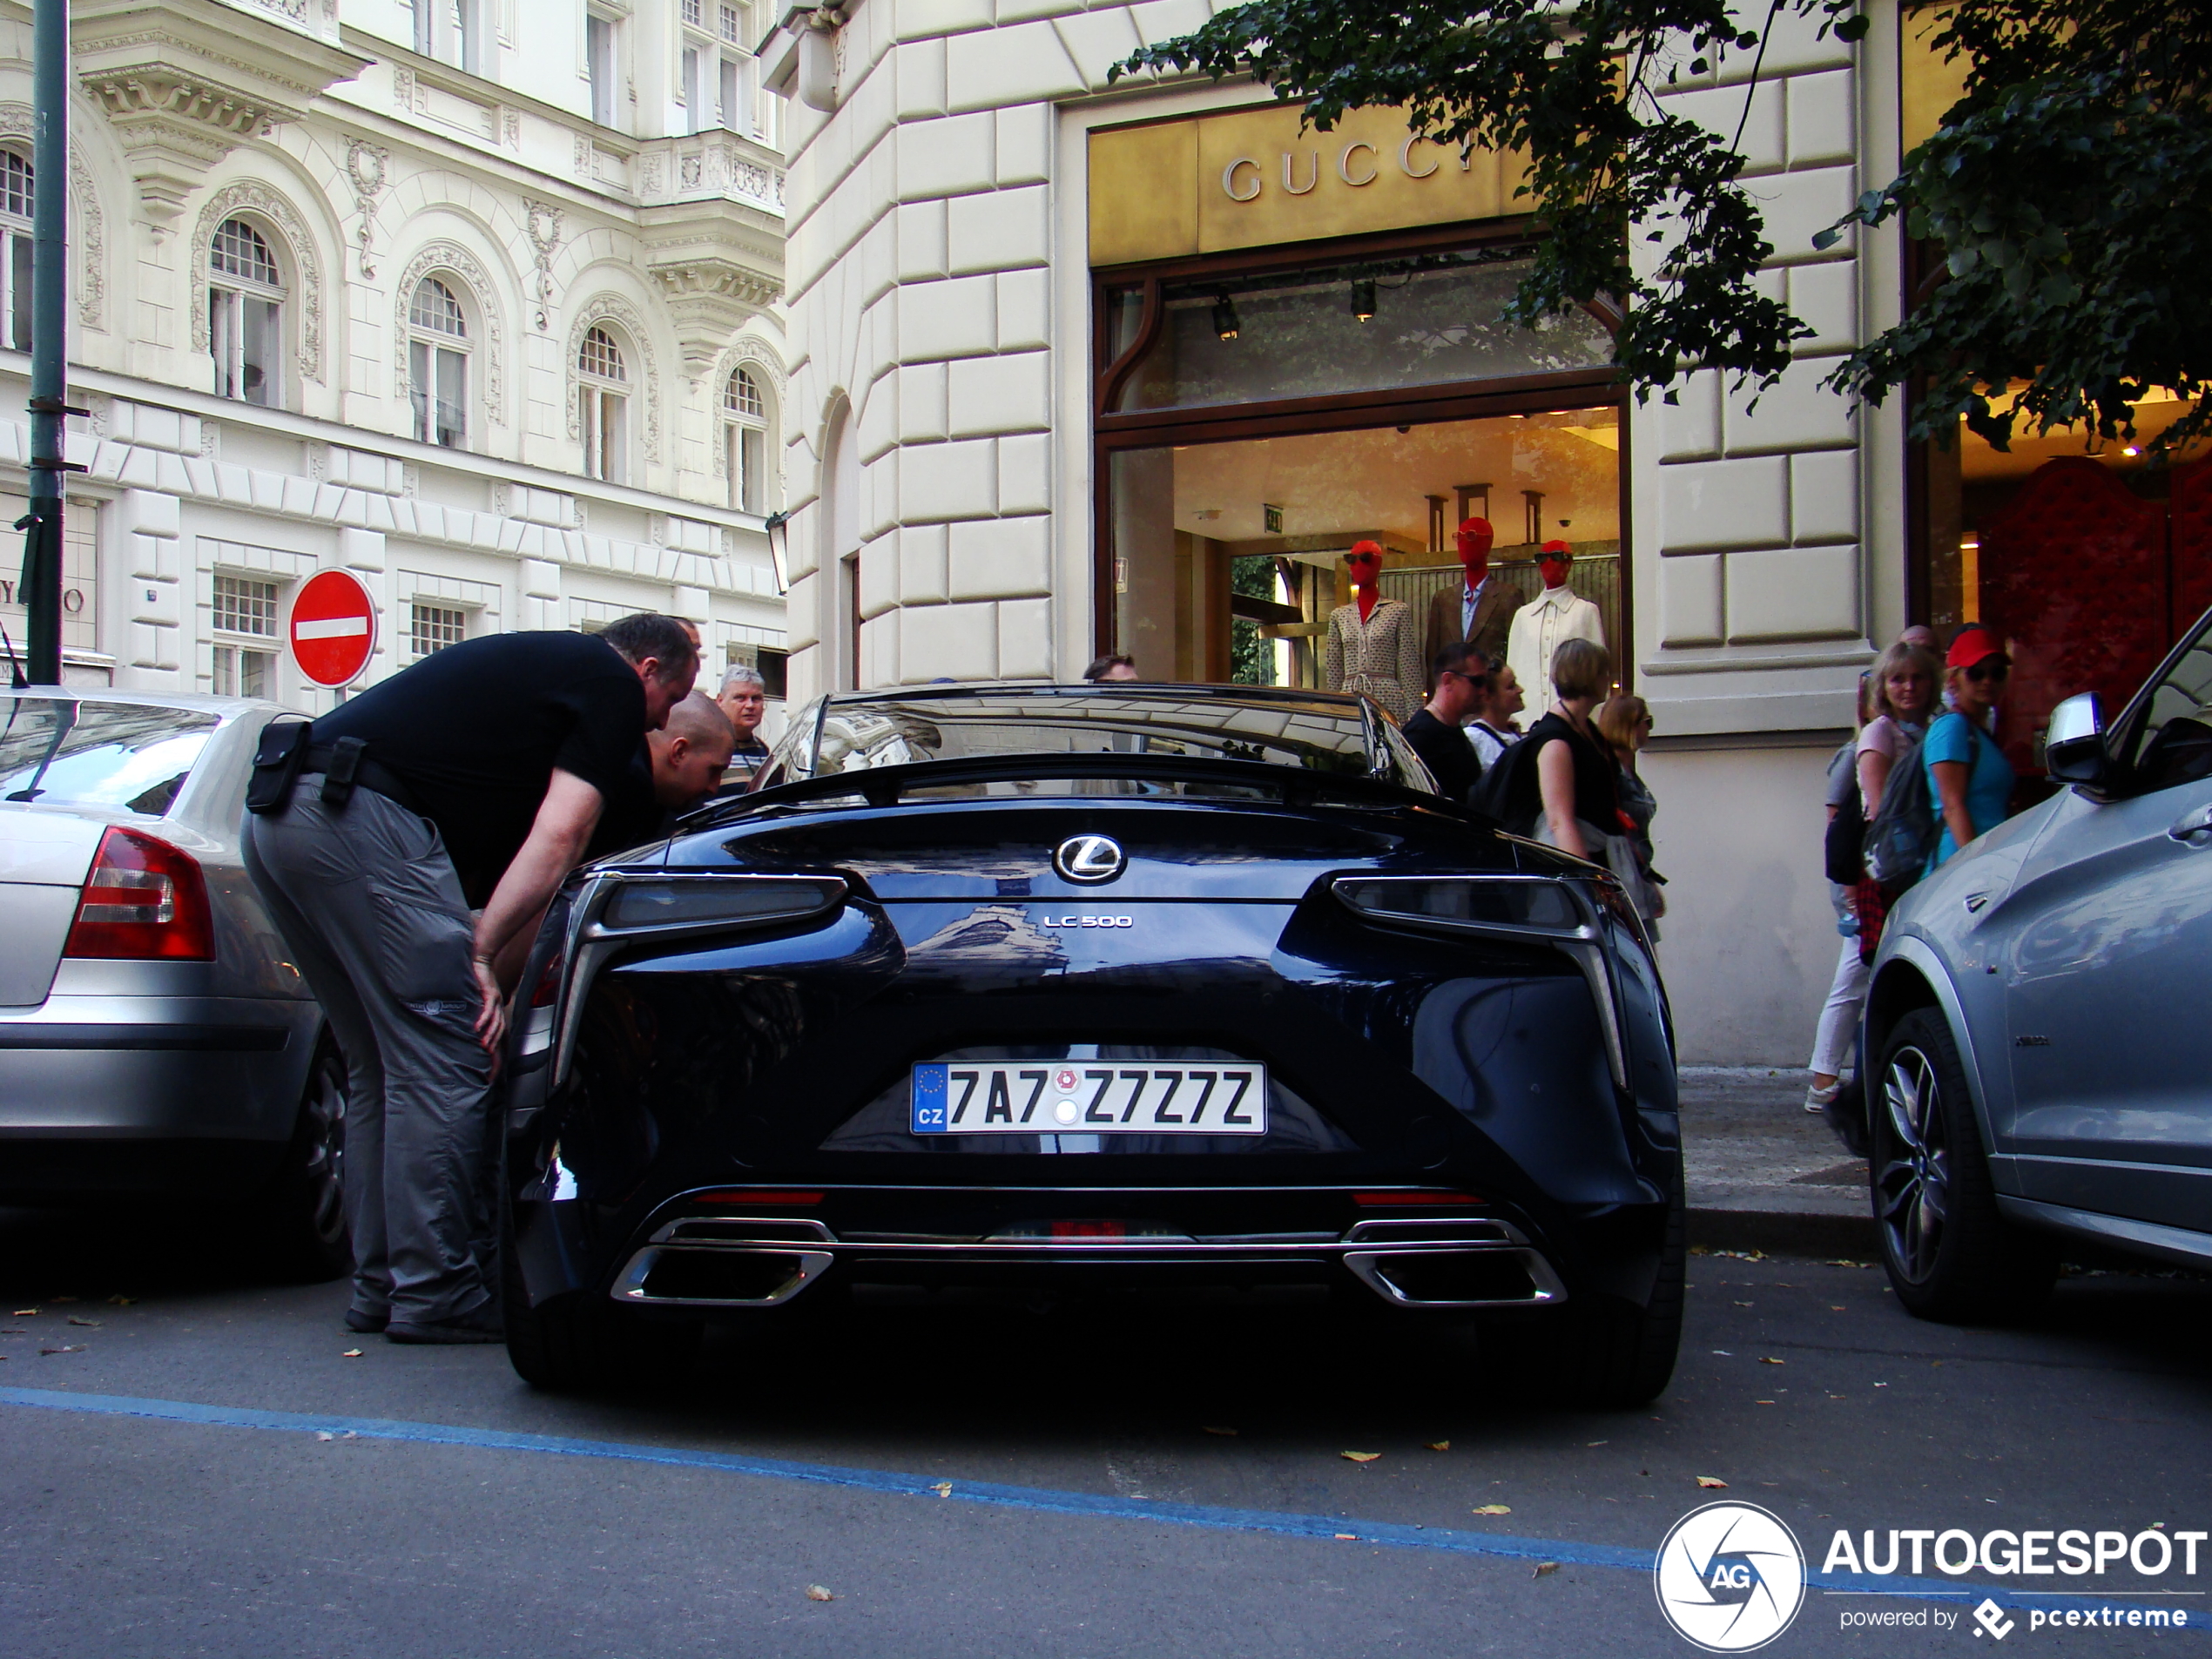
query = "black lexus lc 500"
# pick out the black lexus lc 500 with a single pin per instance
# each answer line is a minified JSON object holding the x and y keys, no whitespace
{"x":1114,"y":985}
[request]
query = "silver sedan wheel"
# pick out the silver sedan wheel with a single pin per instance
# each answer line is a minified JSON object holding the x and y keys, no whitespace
{"x":1912,"y":1187}
{"x":324,"y":1110}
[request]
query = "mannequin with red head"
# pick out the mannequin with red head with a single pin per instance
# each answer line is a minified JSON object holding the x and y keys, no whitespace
{"x":1556,"y":614}
{"x":1553,"y":563}
{"x":1374,"y":646}
{"x":1366,"y":563}
{"x":1478,"y":612}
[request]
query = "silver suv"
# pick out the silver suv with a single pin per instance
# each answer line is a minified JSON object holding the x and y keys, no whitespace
{"x":2038,"y":1041}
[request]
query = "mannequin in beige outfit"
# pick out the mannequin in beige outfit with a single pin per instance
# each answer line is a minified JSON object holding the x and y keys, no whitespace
{"x":1374,"y":645}
{"x":1553,"y":617}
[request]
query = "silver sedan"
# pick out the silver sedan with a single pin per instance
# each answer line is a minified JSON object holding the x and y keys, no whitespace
{"x":154,"y":1038}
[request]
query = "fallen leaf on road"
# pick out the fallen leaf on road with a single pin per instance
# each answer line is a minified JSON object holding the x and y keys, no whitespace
{"x":325,"y":1435}
{"x":1440,"y":1445}
{"x":818,"y":1593}
{"x":1742,"y":1305}
{"x":72,"y":1347}
{"x":351,"y":1353}
{"x":61,"y":1298}
{"x":943,"y":1488}
{"x":1835,"y":1307}
{"x":1543,"y":1568}
{"x":1360,"y":1457}
{"x":1762,"y":1402}
{"x":1349,"y":1537}
{"x":1493,"y":1509}
{"x":121,"y":1301}
{"x":74,"y":1320}
{"x":12,"y":1331}
{"x":1711,"y":1480}
{"x":1725,"y":1353}
{"x":1229,"y":1431}
{"x":1769,"y":1359}
{"x":1597,"y":1442}
{"x":24,"y":1313}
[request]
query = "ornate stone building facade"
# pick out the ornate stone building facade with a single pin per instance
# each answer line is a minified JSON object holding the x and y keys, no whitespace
{"x":478,"y":298}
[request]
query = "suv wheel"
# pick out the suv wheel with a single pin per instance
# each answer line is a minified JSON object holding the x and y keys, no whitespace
{"x":302,"y":1218}
{"x":1950,"y":1255}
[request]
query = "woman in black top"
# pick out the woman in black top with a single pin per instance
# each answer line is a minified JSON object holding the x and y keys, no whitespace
{"x":1574,"y":772}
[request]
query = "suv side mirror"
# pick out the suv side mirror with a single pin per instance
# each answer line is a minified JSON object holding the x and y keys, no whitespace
{"x":2074,"y":747}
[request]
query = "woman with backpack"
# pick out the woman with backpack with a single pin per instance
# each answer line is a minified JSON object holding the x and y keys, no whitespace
{"x":1897,"y":696}
{"x":1968,"y":775}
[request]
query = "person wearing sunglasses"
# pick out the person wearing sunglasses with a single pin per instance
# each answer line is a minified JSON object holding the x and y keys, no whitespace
{"x":1968,"y":776}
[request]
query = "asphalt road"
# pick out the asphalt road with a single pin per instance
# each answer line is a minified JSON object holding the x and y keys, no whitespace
{"x":413,"y":1501}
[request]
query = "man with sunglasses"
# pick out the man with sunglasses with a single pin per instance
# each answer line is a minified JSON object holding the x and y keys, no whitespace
{"x":1433,"y":731}
{"x":1969,"y":778}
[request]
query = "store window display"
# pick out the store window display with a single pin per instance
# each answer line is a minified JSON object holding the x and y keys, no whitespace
{"x":1374,"y":645}
{"x":1552,"y":618}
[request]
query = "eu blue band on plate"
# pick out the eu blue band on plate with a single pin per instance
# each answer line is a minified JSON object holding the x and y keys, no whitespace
{"x":929,"y":1090}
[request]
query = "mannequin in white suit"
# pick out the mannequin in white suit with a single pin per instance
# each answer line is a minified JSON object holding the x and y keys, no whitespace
{"x":1555,"y":615}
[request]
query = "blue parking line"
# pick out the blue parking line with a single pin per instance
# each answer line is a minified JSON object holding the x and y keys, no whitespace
{"x":1391,"y":1534}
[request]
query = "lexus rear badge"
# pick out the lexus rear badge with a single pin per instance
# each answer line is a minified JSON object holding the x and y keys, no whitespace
{"x":1089,"y":859}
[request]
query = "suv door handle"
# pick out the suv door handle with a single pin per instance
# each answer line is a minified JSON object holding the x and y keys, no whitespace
{"x":2190,"y":826}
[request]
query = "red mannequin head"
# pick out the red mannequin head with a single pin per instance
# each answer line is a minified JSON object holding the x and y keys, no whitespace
{"x":1553,"y":563}
{"x":1365,"y":561}
{"x":1475,"y":538}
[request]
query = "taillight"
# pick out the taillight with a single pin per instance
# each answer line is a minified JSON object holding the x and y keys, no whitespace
{"x":145,"y":898}
{"x":549,"y":982}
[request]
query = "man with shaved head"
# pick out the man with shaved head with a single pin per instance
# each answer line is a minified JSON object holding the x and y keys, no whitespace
{"x":678,"y":767}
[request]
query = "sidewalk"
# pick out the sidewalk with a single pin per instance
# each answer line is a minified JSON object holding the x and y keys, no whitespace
{"x":1765,"y":1174}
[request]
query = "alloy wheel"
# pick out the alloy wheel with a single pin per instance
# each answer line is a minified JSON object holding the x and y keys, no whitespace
{"x":323,"y":1166}
{"x":1913,"y":1184}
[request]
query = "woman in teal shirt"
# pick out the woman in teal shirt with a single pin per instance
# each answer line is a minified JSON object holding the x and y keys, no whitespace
{"x":1968,"y":776}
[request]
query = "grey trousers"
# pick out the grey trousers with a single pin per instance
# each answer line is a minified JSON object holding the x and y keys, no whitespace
{"x":366,"y":899}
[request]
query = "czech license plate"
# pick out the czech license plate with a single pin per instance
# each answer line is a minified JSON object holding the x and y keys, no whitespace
{"x":1089,"y":1098}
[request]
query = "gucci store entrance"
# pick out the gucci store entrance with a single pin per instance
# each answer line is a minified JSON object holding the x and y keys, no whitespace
{"x":1267,"y":398}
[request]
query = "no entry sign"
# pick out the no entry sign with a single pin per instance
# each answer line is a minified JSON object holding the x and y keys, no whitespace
{"x":334,"y":628}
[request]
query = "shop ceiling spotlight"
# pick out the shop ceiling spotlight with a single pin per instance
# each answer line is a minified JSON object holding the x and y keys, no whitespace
{"x":1362,"y":298}
{"x":1224,"y":316}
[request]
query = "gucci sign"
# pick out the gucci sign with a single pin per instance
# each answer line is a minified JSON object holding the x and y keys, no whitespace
{"x":1358,"y":163}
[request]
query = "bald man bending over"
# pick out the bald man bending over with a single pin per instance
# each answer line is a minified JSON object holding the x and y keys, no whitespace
{"x":676,"y":769}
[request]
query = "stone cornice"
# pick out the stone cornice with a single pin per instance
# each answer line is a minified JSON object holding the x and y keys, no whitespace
{"x":182,"y":81}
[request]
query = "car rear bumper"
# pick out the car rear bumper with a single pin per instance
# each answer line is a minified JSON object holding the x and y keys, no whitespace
{"x":93,"y":1089}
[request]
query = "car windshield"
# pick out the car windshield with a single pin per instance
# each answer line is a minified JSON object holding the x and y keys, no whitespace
{"x":59,"y":751}
{"x":1304,"y":731}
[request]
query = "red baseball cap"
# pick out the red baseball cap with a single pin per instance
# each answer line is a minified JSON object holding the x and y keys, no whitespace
{"x":1975,"y":644}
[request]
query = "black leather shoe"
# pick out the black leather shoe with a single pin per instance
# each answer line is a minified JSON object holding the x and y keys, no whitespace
{"x":481,"y":1325}
{"x":366,"y":1324}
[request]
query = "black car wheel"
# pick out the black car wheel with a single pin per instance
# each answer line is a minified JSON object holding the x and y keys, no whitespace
{"x":580,"y":1342}
{"x":1950,"y":1255}
{"x":1600,"y":1351}
{"x":302,"y":1219}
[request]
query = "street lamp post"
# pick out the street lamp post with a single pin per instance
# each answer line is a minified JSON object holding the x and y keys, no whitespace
{"x":42,"y":554}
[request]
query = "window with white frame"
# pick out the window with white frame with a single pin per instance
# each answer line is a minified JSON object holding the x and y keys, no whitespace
{"x":16,"y":200}
{"x":603,"y":406}
{"x":714,"y":69}
{"x":600,"y":65}
{"x":438,"y":364}
{"x":244,"y":615}
{"x":246,"y":314}
{"x":451,"y":32}
{"x":745,"y":437}
{"x":432,"y":628}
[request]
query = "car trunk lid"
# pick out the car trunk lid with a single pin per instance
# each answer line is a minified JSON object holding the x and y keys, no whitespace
{"x":45,"y":857}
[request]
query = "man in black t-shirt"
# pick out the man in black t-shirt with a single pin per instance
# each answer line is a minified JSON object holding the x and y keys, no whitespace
{"x":476,"y":777}
{"x":1433,"y":731}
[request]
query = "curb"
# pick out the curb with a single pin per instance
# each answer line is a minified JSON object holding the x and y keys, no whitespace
{"x":1786,"y":1233}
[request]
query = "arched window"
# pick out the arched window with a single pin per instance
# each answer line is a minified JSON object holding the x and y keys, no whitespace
{"x":744,"y":439}
{"x":246,"y":314}
{"x":16,"y":203}
{"x":605,"y":409}
{"x":438,"y":364}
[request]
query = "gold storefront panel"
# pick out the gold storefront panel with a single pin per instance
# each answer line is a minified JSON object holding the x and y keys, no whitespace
{"x":1252,"y":179}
